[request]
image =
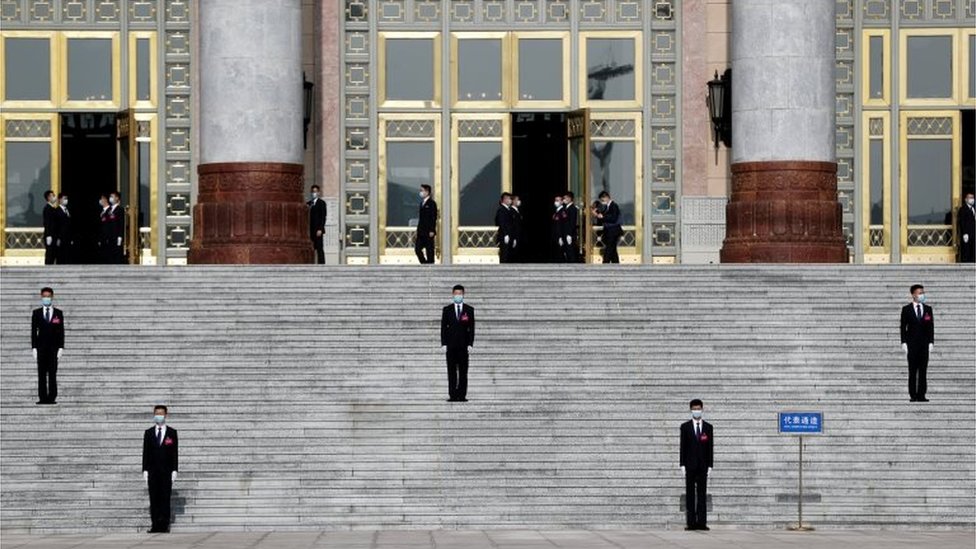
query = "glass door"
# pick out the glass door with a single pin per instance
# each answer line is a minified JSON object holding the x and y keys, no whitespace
{"x":129,"y":183}
{"x":578,"y":138}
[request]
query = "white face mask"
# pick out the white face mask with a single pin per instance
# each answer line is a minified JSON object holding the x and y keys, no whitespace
{"x":112,"y":200}
{"x":315,"y":195}
{"x":518,"y":203}
{"x":696,"y":414}
{"x":557,"y":204}
{"x":64,"y":201}
{"x":970,"y":201}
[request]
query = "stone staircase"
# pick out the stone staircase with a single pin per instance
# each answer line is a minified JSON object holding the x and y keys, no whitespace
{"x":313,"y":398}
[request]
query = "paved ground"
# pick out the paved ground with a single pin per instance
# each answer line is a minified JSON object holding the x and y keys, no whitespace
{"x":507,"y":539}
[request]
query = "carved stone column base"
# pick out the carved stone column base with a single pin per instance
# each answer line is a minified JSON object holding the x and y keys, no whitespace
{"x":250,"y":212}
{"x":784,"y":212}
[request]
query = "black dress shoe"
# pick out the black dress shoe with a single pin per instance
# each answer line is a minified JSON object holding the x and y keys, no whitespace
{"x":913,"y":400}
{"x":39,"y":402}
{"x":706,"y":528}
{"x":923,"y":399}
{"x":451,"y":400}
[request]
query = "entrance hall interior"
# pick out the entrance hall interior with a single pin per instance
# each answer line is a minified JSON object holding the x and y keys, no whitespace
{"x":89,"y":168}
{"x":539,"y":172}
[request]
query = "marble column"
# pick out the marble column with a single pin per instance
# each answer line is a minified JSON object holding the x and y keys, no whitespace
{"x":250,"y":206}
{"x":783,"y":206}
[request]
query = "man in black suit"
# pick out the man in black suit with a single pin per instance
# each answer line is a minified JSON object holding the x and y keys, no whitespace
{"x":52,"y":227}
{"x":426,"y":227}
{"x":505,"y":238}
{"x":457,"y":338}
{"x":515,"y":256}
{"x":609,"y":217}
{"x":696,"y":465}
{"x":160,"y":462}
{"x":66,"y":237}
{"x":47,"y":346}
{"x":104,"y":231}
{"x":558,"y":220}
{"x":317,"y":211}
{"x":570,"y":228}
{"x":113,"y":230}
{"x":967,"y":229}
{"x":917,"y":341}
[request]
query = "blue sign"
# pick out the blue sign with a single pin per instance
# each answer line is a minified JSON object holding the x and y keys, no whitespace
{"x":801,"y":423}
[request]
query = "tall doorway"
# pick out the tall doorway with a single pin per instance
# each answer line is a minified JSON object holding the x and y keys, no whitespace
{"x":89,"y":168}
{"x":539,"y":172}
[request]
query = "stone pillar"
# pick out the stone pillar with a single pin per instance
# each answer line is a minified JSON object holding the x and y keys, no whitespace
{"x":783,"y":207}
{"x":250,"y":206}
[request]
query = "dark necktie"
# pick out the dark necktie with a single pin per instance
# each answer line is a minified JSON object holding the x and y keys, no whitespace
{"x":159,"y":436}
{"x":697,"y":431}
{"x":47,"y":314}
{"x":459,"y":312}
{"x":918,"y":311}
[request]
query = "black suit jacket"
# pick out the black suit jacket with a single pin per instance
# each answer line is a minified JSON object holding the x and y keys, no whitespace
{"x":570,"y":223}
{"x":113,"y":225}
{"x":47,"y":336}
{"x":503,"y":219}
{"x":967,"y":222}
{"x":457,"y":333}
{"x":64,"y":226}
{"x":158,"y":458}
{"x":516,"y":223}
{"x":696,"y":454}
{"x":611,"y":215}
{"x":316,"y":216}
{"x":52,"y":223}
{"x":427,"y":222}
{"x":914,"y":331}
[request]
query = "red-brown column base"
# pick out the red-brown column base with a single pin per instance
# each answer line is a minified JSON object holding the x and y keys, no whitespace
{"x":250,"y":212}
{"x":784,"y":212}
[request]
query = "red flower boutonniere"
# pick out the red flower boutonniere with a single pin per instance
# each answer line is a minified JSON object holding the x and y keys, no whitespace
{"x":464,"y":317}
{"x":55,"y":320}
{"x":167,"y":441}
{"x":927,"y":318}
{"x":704,"y":437}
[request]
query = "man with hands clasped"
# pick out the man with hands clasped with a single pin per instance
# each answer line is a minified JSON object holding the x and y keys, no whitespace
{"x":457,"y":338}
{"x":696,"y":465}
{"x":917,"y":341}
{"x":47,"y":346}
{"x":160,"y":462}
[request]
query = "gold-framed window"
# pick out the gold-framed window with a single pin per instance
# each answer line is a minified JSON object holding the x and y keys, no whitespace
{"x":876,"y":187}
{"x":481,"y":170}
{"x":929,"y":184}
{"x":480,"y":67}
{"x":929,"y":67}
{"x":541,"y":70}
{"x":90,"y":70}
{"x":409,"y":74}
{"x":409,"y":155}
{"x":29,"y":74}
{"x":143,"y":70}
{"x":610,"y":69}
{"x":615,"y":164}
{"x":29,"y":162}
{"x":967,"y":78}
{"x":876,"y":71}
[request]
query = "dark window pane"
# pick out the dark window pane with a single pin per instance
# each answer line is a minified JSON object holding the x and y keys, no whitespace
{"x":28,"y":69}
{"x":876,"y":69}
{"x":971,"y":68}
{"x":28,"y":175}
{"x":929,"y":66}
{"x":410,"y":69}
{"x":877,"y":181}
{"x":145,"y":183}
{"x":929,"y":181}
{"x":610,"y":69}
{"x":480,"y":175}
{"x":408,"y":165}
{"x":540,"y":69}
{"x":612,"y":169}
{"x":480,"y":70}
{"x":143,"y":66}
{"x":89,"y":69}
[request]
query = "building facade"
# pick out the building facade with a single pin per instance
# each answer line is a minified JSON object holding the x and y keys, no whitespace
{"x":477,"y":97}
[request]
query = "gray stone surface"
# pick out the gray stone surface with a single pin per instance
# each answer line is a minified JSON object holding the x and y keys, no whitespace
{"x":250,"y":81}
{"x":313,"y":398}
{"x":505,"y":539}
{"x":782,"y":80}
